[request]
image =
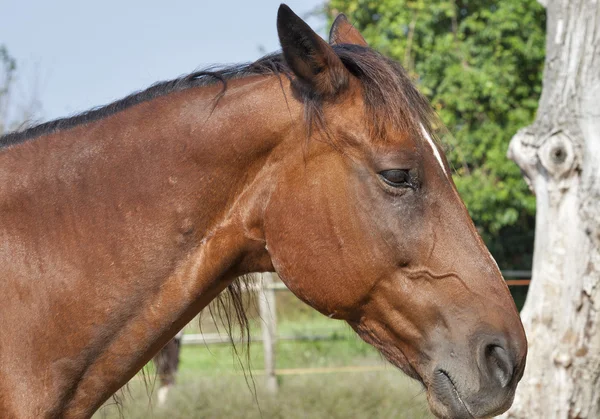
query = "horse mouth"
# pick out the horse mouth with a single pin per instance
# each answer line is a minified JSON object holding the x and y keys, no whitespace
{"x":448,"y":395}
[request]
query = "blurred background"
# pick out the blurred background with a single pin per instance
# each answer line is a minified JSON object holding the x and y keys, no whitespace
{"x":480,"y":64}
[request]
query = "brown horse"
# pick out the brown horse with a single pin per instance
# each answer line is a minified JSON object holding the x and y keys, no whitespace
{"x":166,"y":362}
{"x":119,"y":225}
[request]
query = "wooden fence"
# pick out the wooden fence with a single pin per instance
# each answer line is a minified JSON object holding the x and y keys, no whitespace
{"x":267,"y":287}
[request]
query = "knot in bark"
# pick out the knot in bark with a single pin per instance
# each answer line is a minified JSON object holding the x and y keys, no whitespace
{"x":553,"y":156}
{"x":557,"y":154}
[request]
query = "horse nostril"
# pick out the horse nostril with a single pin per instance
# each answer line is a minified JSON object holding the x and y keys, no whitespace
{"x":499,"y":364}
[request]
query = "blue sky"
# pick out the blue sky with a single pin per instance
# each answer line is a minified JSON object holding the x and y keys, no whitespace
{"x":81,"y":54}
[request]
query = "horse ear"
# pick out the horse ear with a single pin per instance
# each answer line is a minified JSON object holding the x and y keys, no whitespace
{"x":343,"y":32}
{"x":312,"y":60}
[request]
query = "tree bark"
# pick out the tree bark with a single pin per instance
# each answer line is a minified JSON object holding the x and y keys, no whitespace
{"x":560,"y":158}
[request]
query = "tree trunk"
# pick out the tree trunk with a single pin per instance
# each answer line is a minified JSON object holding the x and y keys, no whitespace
{"x":560,"y":158}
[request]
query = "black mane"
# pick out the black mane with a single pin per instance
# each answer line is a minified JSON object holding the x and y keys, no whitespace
{"x":388,"y":93}
{"x":268,"y":65}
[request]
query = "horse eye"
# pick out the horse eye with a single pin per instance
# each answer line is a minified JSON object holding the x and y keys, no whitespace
{"x":398,"y":178}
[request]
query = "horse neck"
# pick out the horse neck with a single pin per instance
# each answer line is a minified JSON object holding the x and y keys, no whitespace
{"x":147,"y":215}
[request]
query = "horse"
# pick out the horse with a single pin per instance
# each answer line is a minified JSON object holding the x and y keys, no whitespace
{"x":166,"y":363}
{"x":321,"y":163}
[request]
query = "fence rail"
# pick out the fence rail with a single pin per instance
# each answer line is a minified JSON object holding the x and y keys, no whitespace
{"x":515,"y":278}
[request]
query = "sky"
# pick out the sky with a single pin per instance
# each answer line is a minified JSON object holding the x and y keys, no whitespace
{"x":75,"y":55}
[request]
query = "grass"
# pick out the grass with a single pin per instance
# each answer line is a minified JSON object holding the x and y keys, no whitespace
{"x":380,"y":394}
{"x":211,"y":381}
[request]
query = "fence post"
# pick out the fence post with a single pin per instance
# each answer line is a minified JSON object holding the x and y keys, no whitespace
{"x":269,"y":328}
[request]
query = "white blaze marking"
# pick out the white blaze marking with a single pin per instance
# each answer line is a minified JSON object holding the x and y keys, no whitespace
{"x":436,"y":152}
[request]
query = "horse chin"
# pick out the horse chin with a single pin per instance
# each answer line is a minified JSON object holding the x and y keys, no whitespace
{"x":392,"y":353}
{"x":447,"y":401}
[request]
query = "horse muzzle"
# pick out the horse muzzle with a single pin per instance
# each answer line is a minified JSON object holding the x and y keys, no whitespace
{"x":479,"y":389}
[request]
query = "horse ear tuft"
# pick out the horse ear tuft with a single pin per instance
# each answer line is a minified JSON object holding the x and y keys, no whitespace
{"x":343,"y":32}
{"x":313,"y":61}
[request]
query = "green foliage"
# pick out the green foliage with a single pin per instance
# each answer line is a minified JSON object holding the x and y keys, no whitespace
{"x":480,"y":64}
